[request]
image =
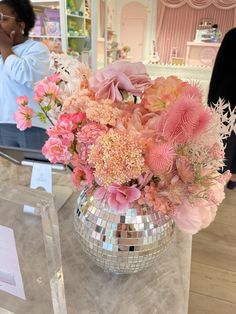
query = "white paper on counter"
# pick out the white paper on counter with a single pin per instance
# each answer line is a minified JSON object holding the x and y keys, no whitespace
{"x":10,"y":274}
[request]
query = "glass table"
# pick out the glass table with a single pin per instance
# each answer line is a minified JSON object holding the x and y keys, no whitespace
{"x":59,"y":278}
{"x":31,"y":278}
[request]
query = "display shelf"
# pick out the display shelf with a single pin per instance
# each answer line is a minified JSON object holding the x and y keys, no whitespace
{"x":78,"y":25}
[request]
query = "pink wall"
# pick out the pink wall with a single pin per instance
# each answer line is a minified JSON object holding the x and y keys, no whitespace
{"x":177,"y":26}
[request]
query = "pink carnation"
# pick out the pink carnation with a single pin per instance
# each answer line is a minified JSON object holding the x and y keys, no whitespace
{"x":23,"y":117}
{"x":90,"y":132}
{"x":159,"y":157}
{"x":55,"y":151}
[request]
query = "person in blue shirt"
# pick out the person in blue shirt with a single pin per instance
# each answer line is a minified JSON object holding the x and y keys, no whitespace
{"x":23,"y":62}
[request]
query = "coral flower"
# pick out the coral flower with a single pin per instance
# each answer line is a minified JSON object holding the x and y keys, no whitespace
{"x":159,"y":157}
{"x":23,"y":117}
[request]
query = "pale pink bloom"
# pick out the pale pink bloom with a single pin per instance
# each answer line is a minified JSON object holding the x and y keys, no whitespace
{"x":184,"y":120}
{"x":22,"y":100}
{"x":55,"y":151}
{"x":216,"y":193}
{"x":159,"y":157}
{"x":217,"y":152}
{"x":192,"y":217}
{"x":117,"y":77}
{"x":225,"y":177}
{"x":64,"y":129}
{"x":23,"y":117}
{"x":90,"y":132}
{"x":118,"y":197}
{"x":185,"y":169}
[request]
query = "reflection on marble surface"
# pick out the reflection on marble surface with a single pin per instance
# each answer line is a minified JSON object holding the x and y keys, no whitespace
{"x":162,"y":289}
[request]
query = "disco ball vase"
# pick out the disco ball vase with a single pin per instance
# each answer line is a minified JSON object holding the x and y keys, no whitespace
{"x":121,"y":243}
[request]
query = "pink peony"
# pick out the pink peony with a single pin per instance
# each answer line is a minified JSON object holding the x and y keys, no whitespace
{"x":23,"y":117}
{"x":159,"y":157}
{"x":117,"y":77}
{"x":191,"y":218}
{"x":22,"y":100}
{"x":118,"y":197}
{"x":55,"y":151}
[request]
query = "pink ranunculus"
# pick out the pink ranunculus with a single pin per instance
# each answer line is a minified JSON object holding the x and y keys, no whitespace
{"x":118,"y":197}
{"x":191,"y":218}
{"x":117,"y":77}
{"x":23,"y":117}
{"x":55,"y":151}
{"x":22,"y":100}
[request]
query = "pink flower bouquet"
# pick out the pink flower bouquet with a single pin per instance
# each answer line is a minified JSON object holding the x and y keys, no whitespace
{"x":131,"y":140}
